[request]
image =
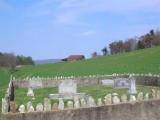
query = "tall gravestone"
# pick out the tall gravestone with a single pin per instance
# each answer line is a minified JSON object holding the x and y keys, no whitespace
{"x":132,"y":87}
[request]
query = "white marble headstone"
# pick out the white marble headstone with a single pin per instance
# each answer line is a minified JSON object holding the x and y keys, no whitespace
{"x":132,"y":87}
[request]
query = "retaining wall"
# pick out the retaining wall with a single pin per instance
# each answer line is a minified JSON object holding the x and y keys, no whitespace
{"x":84,"y":81}
{"x":145,"y":110}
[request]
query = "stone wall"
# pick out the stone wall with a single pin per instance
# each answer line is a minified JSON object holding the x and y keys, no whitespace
{"x":93,"y":80}
{"x":145,"y":110}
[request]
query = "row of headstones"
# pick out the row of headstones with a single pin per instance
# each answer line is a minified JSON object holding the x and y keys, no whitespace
{"x":72,"y":77}
{"x":81,"y":103}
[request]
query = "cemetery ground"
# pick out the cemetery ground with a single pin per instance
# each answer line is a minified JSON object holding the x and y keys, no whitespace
{"x":96,"y":91}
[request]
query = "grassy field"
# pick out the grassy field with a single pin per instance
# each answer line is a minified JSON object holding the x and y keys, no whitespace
{"x":96,"y":91}
{"x":140,"y":61}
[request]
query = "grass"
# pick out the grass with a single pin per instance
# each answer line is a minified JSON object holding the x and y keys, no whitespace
{"x":96,"y":91}
{"x":140,"y":61}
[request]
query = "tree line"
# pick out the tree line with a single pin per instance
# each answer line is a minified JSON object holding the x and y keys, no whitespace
{"x":121,"y":46}
{"x":11,"y":61}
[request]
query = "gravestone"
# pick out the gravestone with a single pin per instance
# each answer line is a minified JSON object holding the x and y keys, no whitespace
{"x":4,"y":106}
{"x":132,"y":98}
{"x":69,"y":105}
{"x":36,"y":83}
{"x":116,"y":100}
{"x":67,"y":89}
{"x":158,"y":94}
{"x":91,"y":102}
{"x":121,"y":83}
{"x":153,"y":93}
{"x":30,"y":107}
{"x":108,"y":99}
{"x":61,"y":104}
{"x":140,"y":96}
{"x":124,"y":98}
{"x":146,"y":97}
{"x":108,"y":82}
{"x":39,"y":107}
{"x":83,"y":102}
{"x":13,"y":106}
{"x":132,"y":87}
{"x":55,"y":106}
{"x":76,"y":103}
{"x":99,"y":102}
{"x":30,"y":91}
{"x":47,"y":104}
{"x":22,"y":109}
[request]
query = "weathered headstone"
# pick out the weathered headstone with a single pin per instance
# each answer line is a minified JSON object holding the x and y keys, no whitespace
{"x":153,"y":93}
{"x":22,"y":109}
{"x":132,"y":88}
{"x":132,"y":98}
{"x":124,"y":98}
{"x":4,"y":106}
{"x":108,"y":99}
{"x":61,"y":104}
{"x":108,"y":82}
{"x":99,"y":102}
{"x":83,"y":102}
{"x":13,"y":106}
{"x":158,"y":94}
{"x":121,"y":83}
{"x":146,"y":97}
{"x":39,"y":107}
{"x":140,"y":96}
{"x":69,"y":105}
{"x":76,"y":103}
{"x":91,"y":102}
{"x":30,"y":107}
{"x":55,"y":106}
{"x":30,"y":91}
{"x":47,"y":104}
{"x":116,"y":100}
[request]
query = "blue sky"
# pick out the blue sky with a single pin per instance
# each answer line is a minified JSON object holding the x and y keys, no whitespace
{"x":46,"y":29}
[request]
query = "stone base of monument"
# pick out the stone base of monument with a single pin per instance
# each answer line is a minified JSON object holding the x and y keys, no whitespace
{"x":67,"y":95}
{"x":30,"y":94}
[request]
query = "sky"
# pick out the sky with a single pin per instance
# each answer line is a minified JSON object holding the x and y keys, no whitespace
{"x":55,"y":29}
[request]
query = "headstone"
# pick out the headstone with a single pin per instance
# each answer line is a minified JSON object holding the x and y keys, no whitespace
{"x":13,"y":106}
{"x":61,"y":104}
{"x":146,"y":97}
{"x":76,"y":103}
{"x":132,"y":87}
{"x":4,"y":106}
{"x":153,"y":93}
{"x":69,"y":105}
{"x":121,"y":83}
{"x":99,"y":102}
{"x":108,"y":82}
{"x":35,"y":83}
{"x":124,"y":98}
{"x":116,"y":100}
{"x":55,"y":106}
{"x":39,"y":107}
{"x":108,"y":99}
{"x":47,"y":104}
{"x":132,"y":98}
{"x":30,"y":107}
{"x":158,"y":95}
{"x":83,"y":102}
{"x":22,"y":109}
{"x":91,"y":102}
{"x":67,"y":87}
{"x":140,"y":96}
{"x":30,"y":91}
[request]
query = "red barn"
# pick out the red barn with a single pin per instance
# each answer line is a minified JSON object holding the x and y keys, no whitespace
{"x":75,"y":57}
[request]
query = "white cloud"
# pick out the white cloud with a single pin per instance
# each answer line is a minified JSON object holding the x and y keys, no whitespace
{"x":89,"y":33}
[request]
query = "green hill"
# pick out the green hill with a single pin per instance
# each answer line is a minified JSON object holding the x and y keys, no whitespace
{"x":140,"y":61}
